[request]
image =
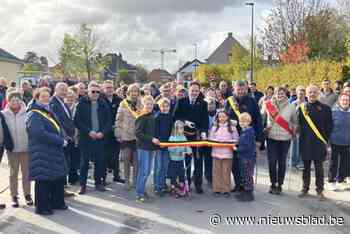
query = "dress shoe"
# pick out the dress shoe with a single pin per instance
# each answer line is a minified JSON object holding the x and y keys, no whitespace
{"x":44,"y":212}
{"x":2,"y":206}
{"x":249,"y":196}
{"x":273,"y":190}
{"x":82,"y":190}
{"x":119,"y":180}
{"x":29,"y":200}
{"x":199,"y":190}
{"x":15,"y":202}
{"x":245,"y":196}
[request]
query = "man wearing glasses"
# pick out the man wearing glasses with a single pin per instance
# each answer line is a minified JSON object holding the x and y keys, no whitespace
{"x":93,"y":120}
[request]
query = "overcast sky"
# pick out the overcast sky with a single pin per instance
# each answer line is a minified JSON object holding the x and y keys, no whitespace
{"x":128,"y":26}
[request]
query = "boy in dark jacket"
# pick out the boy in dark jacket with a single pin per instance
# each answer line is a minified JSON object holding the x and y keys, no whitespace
{"x":163,"y":126}
{"x":146,"y":146}
{"x":247,"y":156}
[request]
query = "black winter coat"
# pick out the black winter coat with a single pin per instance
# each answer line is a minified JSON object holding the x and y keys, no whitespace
{"x":82,"y":120}
{"x":310,"y":147}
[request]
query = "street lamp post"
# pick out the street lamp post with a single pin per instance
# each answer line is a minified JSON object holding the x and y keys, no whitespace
{"x":252,"y":43}
{"x":195,"y":60}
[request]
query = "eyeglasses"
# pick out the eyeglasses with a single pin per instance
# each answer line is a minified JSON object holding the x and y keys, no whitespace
{"x":95,"y":91}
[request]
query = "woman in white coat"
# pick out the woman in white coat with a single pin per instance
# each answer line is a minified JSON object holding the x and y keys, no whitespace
{"x":15,"y":117}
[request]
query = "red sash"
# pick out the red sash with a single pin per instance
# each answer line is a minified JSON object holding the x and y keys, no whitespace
{"x":273,"y":112}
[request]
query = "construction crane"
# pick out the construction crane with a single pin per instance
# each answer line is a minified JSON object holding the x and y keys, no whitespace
{"x":162,"y":52}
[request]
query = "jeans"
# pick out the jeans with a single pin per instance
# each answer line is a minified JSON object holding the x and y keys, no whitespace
{"x":145,"y":165}
{"x":339,"y":163}
{"x":277,"y":156}
{"x":296,"y":160}
{"x":161,"y":162}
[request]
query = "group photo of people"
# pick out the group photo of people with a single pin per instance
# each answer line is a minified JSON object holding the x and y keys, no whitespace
{"x":186,"y":135}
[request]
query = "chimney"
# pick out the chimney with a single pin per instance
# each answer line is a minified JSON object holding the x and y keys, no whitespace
{"x":230,"y":34}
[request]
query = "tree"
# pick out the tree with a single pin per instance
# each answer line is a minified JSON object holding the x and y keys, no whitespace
{"x":81,"y":53}
{"x":34,"y":64}
{"x":285,"y":24}
{"x":141,"y":73}
{"x":124,"y":77}
{"x":296,"y":53}
{"x":326,"y":34}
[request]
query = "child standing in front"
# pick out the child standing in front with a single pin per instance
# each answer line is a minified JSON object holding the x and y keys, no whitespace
{"x":223,"y":130}
{"x":177,"y":157}
{"x":164,"y":123}
{"x":146,"y":145}
{"x":247,"y":156}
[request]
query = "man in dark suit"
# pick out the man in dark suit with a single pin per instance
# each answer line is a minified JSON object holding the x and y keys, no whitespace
{"x":112,"y":145}
{"x":193,"y":110}
{"x":64,"y":116}
{"x":93,"y":120}
{"x":254,"y":93}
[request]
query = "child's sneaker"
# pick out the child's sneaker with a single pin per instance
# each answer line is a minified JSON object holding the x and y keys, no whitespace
{"x":173,"y":192}
{"x":216,"y":194}
{"x":140,"y":200}
{"x":227,"y":195}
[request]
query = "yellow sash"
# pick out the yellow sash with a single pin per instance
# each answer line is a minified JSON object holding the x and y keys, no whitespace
{"x":127,"y":106}
{"x":311,"y":124}
{"x":234,"y":106}
{"x":49,"y":118}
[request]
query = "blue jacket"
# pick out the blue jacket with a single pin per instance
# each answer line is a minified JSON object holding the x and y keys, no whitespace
{"x":163,"y":126}
{"x":65,"y":120}
{"x":341,"y":126}
{"x":82,"y":120}
{"x":45,"y":146}
{"x":246,"y":145}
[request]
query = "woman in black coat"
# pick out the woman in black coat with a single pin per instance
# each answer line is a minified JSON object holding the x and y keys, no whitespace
{"x":47,"y":165}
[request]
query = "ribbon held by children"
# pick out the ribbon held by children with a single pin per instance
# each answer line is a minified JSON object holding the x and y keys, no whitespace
{"x":198,"y":143}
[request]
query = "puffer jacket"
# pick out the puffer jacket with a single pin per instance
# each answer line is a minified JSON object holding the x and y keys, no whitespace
{"x":125,"y":123}
{"x":45,"y":146}
{"x":222,"y":134}
{"x":17,"y":126}
{"x":341,"y":126}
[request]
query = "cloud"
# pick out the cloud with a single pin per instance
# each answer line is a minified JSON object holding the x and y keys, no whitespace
{"x":129,"y":26}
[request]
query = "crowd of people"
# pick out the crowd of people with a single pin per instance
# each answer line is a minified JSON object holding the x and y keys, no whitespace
{"x":57,"y":134}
